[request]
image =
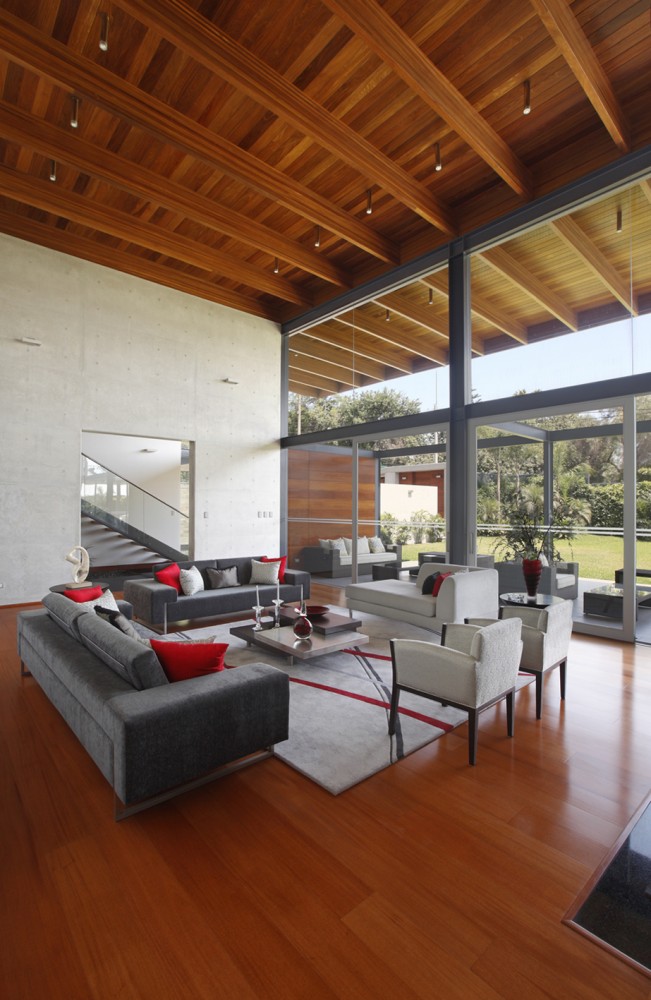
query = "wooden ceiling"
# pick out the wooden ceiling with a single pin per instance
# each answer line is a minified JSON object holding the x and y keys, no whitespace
{"x":232,"y":149}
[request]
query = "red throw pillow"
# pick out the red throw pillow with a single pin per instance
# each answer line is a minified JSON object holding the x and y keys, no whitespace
{"x":183,"y":660}
{"x":281,"y":569}
{"x":437,"y":585}
{"x":171,"y":575}
{"x":83,"y":594}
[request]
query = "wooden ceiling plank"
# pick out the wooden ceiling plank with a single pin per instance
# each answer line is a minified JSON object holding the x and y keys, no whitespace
{"x":40,"y":53}
{"x":646,"y":189}
{"x":362,"y":346}
{"x":569,"y":38}
{"x":50,"y":197}
{"x":501,"y":260}
{"x":422,"y":315}
{"x":79,"y":246}
{"x":39,"y":135}
{"x":326,"y":351}
{"x":222,"y":55}
{"x":481,"y":307}
{"x":572,"y":234}
{"x":393,"y":334}
{"x":381,"y":33}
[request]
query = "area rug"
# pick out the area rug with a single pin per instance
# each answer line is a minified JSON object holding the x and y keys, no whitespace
{"x":339,"y":706}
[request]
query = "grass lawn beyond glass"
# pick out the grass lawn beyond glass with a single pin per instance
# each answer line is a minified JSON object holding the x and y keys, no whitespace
{"x":598,"y":556}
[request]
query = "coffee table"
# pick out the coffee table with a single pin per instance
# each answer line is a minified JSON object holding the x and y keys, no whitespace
{"x":324,"y":624}
{"x":608,"y":601}
{"x":524,"y":600}
{"x":283,"y":641}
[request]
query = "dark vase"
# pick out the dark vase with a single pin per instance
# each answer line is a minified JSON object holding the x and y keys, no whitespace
{"x":302,"y":627}
{"x":531,"y":569}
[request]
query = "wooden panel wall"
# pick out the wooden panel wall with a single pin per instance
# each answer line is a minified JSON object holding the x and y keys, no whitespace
{"x":320,"y":489}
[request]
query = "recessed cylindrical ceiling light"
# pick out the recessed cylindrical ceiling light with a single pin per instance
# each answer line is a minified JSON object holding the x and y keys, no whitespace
{"x":388,"y":316}
{"x":369,"y":202}
{"x":619,"y":220}
{"x":431,"y":297}
{"x":74,"y":114}
{"x":526,"y":107}
{"x":437,"y":152}
{"x":103,"y":32}
{"x":276,"y":268}
{"x":317,"y":236}
{"x":53,"y":170}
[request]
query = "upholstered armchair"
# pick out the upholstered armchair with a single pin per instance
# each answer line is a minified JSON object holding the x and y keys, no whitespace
{"x":472,"y":669}
{"x":560,"y":579}
{"x":546,"y":634}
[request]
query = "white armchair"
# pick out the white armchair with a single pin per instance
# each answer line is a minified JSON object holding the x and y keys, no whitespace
{"x":472,"y":669}
{"x":546,"y":634}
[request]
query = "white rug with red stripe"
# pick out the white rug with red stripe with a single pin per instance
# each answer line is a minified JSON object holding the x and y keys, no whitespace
{"x":339,"y":706}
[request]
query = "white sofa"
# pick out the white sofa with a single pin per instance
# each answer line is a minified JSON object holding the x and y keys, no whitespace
{"x":461,"y":595}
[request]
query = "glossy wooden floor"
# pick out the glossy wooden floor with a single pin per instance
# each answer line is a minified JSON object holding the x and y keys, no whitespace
{"x":431,"y":879}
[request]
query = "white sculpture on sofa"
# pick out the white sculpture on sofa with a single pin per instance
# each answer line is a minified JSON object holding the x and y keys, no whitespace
{"x":81,"y":561}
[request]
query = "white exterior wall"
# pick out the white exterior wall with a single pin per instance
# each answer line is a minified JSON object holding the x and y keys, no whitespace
{"x":126,"y":356}
{"x":403,"y":500}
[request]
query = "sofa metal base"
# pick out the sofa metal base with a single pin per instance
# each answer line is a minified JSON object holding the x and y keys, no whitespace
{"x":123,"y":812}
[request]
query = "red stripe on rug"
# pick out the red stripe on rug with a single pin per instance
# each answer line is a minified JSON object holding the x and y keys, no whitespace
{"x":370,"y":656}
{"x":445,"y":726}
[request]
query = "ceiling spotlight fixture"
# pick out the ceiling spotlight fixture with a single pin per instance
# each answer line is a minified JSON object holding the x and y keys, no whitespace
{"x":388,"y":316}
{"x":74,"y":117}
{"x":526,"y":108}
{"x":437,"y":163}
{"x":103,"y":34}
{"x":317,"y":237}
{"x":53,"y":170}
{"x":619,"y":220}
{"x":369,"y":202}
{"x":431,"y":297}
{"x":276,"y":268}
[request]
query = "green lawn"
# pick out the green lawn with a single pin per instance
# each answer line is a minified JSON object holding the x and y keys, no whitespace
{"x":598,"y":556}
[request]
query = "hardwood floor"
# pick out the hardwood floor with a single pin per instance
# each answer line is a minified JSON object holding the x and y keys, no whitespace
{"x":431,"y":879}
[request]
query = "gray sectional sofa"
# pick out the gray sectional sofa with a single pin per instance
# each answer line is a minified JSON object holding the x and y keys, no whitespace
{"x":150,"y":738}
{"x":158,"y":604}
{"x":326,"y":561}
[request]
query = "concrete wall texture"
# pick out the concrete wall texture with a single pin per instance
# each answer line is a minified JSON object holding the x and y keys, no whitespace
{"x":125,"y":356}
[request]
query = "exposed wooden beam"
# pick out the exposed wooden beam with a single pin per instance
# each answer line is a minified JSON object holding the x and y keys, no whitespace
{"x":303,"y":365}
{"x":381,"y":33}
{"x":344,"y":338}
{"x":207,"y":44}
{"x":393,"y":334}
{"x":572,"y":234}
{"x":37,"y":51}
{"x":484,"y":309}
{"x":308,"y":382}
{"x":51,"y":198}
{"x":646,"y":189}
{"x":120,"y":260}
{"x":306,"y":346}
{"x":570,"y":40}
{"x":72,"y":149}
{"x":502,"y":261}
{"x":415,"y":313}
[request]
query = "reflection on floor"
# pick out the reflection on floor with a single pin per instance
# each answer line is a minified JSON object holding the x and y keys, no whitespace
{"x":618,"y":910}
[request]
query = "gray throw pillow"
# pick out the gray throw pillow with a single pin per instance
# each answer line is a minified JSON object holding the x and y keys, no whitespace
{"x":264,"y":572}
{"x":226,"y":577}
{"x":119,"y":621}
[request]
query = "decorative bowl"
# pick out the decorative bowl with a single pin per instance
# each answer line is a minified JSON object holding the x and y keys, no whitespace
{"x":317,"y":610}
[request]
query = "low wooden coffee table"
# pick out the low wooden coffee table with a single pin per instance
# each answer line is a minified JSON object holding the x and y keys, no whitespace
{"x":283,"y":641}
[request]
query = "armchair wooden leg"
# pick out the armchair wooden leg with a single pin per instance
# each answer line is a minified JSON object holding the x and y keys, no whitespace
{"x":509,"y":713}
{"x":393,"y":711}
{"x":563,"y":672}
{"x":473,"y":734}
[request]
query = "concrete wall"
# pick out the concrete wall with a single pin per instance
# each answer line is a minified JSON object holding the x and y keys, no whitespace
{"x":403,"y":501}
{"x":125,"y":356}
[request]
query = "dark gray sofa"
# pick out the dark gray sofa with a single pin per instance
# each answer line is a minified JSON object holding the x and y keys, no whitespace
{"x":158,"y":604}
{"x":150,"y":738}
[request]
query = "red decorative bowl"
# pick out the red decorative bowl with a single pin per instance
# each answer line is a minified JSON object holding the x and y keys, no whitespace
{"x":317,"y":610}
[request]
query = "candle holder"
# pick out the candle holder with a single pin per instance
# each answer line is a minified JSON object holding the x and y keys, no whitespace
{"x":257,"y":611}
{"x":277,"y":601}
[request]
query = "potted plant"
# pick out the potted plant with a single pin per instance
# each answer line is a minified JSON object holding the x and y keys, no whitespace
{"x":526,"y":538}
